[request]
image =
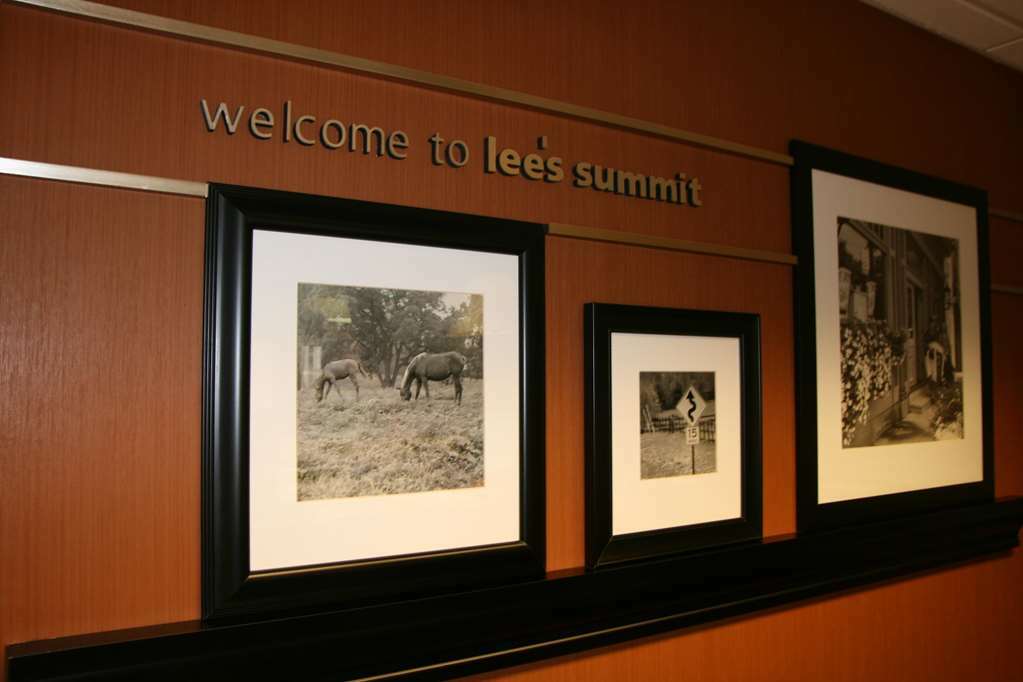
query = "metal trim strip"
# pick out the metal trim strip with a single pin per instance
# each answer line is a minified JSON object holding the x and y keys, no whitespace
{"x":185,"y":29}
{"x":189,"y":30}
{"x":668,"y":243}
{"x":1007,"y":289}
{"x":1006,"y":215}
{"x":148,"y":183}
{"x":92,"y":176}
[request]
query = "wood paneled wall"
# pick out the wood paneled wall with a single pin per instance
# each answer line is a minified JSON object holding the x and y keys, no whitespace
{"x":579,"y":272}
{"x":101,"y":289}
{"x":100,"y":353}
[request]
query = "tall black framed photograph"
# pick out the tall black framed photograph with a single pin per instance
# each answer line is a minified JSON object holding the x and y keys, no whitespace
{"x":893,"y":357}
{"x":373,"y":402}
{"x":673,"y":431}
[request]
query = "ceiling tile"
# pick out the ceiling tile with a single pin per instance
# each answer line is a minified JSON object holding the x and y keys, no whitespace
{"x":956,"y":20}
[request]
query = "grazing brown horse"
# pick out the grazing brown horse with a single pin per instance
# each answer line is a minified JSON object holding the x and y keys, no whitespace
{"x":427,"y":367}
{"x":335,"y":371}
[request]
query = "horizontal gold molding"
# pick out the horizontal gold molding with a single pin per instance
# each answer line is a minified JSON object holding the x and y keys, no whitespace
{"x":1006,"y":215}
{"x":185,"y":29}
{"x":91,"y":176}
{"x":149,"y":183}
{"x":668,"y":243}
{"x":209,"y":34}
{"x":1006,"y":289}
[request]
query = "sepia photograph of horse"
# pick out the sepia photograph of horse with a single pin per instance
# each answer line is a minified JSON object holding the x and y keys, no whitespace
{"x":670,"y":404}
{"x":390,"y":391}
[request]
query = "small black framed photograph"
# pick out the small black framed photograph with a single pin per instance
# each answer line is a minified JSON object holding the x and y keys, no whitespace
{"x":373,"y":402}
{"x":673,"y":431}
{"x":893,"y":343}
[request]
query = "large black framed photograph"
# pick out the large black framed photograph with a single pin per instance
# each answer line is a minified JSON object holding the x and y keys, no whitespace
{"x":673,"y":431}
{"x":893,"y":343}
{"x":373,"y":402}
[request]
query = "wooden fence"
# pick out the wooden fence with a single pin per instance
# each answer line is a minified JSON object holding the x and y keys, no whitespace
{"x":707,"y":425}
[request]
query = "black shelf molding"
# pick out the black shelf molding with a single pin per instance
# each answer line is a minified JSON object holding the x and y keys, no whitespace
{"x":484,"y":629}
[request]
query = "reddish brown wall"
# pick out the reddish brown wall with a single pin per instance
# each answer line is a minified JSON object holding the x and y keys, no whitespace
{"x":101,"y":288}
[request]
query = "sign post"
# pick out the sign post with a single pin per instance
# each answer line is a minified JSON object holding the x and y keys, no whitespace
{"x":691,"y":407}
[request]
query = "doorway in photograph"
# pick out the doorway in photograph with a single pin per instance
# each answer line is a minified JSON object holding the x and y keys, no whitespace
{"x":390,"y":391}
{"x":901,"y":330}
{"x":677,"y":424}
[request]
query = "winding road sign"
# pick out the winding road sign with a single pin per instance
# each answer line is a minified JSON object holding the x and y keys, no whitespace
{"x":692,"y":405}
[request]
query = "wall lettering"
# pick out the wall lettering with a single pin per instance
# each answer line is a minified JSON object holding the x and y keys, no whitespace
{"x":537,"y":165}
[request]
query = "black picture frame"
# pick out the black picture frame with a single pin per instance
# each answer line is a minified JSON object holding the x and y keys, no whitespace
{"x":812,"y":515}
{"x":603,"y":546}
{"x":229,"y":588}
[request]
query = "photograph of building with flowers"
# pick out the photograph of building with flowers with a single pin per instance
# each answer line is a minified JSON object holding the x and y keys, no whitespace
{"x":900,"y":335}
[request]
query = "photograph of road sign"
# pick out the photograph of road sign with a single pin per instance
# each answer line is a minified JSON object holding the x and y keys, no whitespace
{"x":677,"y":424}
{"x":692,"y":405}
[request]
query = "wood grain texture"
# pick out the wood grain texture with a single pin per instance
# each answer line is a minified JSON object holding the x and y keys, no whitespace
{"x":581,"y":272}
{"x":100,"y":335}
{"x":1006,"y":252}
{"x":135,"y":91}
{"x":100,"y":308}
{"x":1007,"y":368}
{"x":833,"y":72}
{"x":956,"y":624}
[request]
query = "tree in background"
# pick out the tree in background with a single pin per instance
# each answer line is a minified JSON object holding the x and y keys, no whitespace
{"x":390,"y":326}
{"x":465,"y":334}
{"x":322,"y":317}
{"x":659,"y":391}
{"x":385,"y":328}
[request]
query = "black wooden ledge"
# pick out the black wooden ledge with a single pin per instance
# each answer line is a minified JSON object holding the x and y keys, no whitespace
{"x":485,"y":629}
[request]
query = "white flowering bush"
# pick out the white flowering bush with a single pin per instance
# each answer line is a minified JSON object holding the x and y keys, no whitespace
{"x":870,"y":355}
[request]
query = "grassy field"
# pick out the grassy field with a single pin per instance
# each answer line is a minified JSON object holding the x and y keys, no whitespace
{"x":382,"y":445}
{"x":666,"y":454}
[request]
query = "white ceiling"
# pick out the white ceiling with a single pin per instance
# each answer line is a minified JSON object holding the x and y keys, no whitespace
{"x":992,"y":27}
